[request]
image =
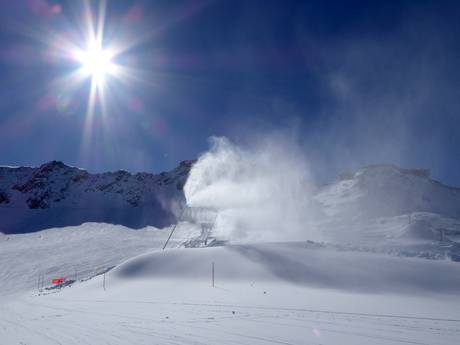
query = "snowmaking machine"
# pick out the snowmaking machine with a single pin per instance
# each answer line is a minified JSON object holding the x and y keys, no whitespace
{"x":203,"y":217}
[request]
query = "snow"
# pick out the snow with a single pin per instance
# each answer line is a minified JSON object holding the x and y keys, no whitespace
{"x":192,"y":312}
{"x":272,"y":293}
{"x":384,"y":271}
{"x":299,"y":264}
{"x":386,"y":191}
{"x":389,"y":209}
{"x":80,"y":251}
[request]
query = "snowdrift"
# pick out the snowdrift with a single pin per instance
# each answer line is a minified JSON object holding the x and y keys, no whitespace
{"x":294,"y":263}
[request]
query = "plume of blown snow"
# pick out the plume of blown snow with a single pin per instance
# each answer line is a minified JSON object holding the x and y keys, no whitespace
{"x":261,"y":192}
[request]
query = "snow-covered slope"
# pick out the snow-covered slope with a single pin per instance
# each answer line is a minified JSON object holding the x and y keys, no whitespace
{"x":296,"y":263}
{"x":75,"y":252}
{"x":385,"y":191}
{"x":391,"y":209}
{"x":263,"y":294}
{"x":55,"y":194}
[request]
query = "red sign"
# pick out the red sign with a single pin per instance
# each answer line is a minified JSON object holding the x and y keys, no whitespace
{"x":58,"y":281}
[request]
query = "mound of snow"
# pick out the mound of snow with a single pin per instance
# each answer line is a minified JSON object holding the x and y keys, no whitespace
{"x":297,"y":264}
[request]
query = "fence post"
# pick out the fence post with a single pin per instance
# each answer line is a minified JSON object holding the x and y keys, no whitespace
{"x":212,"y":273}
{"x":42,"y":282}
{"x":103,"y":282}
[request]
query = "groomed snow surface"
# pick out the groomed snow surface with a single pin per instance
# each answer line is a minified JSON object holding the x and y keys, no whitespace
{"x":273,"y":293}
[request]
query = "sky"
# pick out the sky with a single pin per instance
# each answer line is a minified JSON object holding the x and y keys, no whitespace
{"x":352,"y":83}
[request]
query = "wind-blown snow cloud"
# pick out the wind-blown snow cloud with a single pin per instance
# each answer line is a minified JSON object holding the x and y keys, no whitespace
{"x":391,"y":99}
{"x":259,"y":192}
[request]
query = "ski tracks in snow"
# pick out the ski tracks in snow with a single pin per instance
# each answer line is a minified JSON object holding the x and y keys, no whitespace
{"x":60,"y":320}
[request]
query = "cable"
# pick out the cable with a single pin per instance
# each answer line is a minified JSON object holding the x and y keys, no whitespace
{"x":174,"y":228}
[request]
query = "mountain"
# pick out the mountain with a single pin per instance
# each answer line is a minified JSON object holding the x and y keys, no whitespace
{"x":56,"y":194}
{"x":377,"y":206}
{"x":388,"y":208}
{"x":386,"y":190}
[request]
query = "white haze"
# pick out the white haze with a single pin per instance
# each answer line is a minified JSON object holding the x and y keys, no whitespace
{"x":261,"y":192}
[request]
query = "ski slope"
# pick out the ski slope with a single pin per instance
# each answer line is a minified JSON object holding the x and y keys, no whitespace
{"x":75,"y":251}
{"x":277,"y":293}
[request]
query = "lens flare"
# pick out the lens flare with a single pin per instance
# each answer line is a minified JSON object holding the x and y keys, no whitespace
{"x":96,"y":63}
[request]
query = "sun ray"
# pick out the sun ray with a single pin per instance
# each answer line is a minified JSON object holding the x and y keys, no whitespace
{"x":101,"y":22}
{"x":182,"y":14}
{"x":96,"y":60}
{"x":88,"y":18}
{"x":88,"y":124}
{"x":70,"y":81}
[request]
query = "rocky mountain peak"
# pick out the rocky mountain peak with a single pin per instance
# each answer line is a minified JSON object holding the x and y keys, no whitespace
{"x":56,"y":194}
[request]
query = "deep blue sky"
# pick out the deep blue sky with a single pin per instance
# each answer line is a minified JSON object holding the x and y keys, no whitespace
{"x":354,"y":82}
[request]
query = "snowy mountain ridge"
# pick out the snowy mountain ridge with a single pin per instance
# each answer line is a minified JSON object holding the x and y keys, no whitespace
{"x":56,"y":194}
{"x":386,"y":190}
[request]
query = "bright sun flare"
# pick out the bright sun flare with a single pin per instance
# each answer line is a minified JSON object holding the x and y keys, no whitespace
{"x":96,"y":58}
{"x":96,"y":62}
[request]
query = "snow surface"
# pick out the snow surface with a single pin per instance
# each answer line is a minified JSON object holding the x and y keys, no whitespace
{"x":385,"y":191}
{"x":367,"y":282}
{"x":274,"y":293}
{"x":81,"y":251}
{"x":389,"y":209}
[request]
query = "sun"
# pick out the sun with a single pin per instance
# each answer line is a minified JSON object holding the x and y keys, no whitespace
{"x":96,"y":62}
{"x":97,"y":57}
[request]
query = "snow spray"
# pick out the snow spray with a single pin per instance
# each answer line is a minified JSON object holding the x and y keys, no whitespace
{"x":261,"y":192}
